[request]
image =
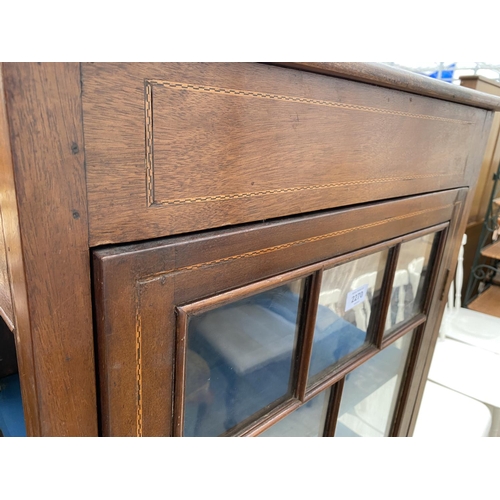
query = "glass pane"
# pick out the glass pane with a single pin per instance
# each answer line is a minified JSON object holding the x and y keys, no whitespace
{"x":349,"y":293}
{"x":306,"y":421}
{"x":408,"y":289}
{"x":239,"y":359}
{"x":371,"y":391}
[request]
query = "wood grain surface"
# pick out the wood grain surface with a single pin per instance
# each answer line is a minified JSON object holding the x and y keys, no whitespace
{"x":488,"y":302}
{"x":174,"y":148}
{"x":6,"y":311}
{"x":396,"y":78}
{"x":17,"y":277}
{"x":43,"y":103}
{"x":492,"y":251}
{"x":139,"y":286}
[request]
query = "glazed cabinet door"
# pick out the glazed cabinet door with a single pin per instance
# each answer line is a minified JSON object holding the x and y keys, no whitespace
{"x":309,"y":326}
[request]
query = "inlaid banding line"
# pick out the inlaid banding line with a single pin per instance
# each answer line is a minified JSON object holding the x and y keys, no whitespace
{"x":291,"y":244}
{"x":245,"y":255}
{"x":302,"y":100}
{"x":149,"y":144}
{"x":138,"y":363}
{"x":331,"y":185}
{"x":151,"y":201}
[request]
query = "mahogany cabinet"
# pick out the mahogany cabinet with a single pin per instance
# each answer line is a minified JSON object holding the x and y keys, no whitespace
{"x":230,"y":249}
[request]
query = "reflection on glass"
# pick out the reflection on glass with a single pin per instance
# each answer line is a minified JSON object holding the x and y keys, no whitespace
{"x":239,"y":359}
{"x":408,"y":289}
{"x":348,"y":295}
{"x":370,"y":392}
{"x":306,"y":421}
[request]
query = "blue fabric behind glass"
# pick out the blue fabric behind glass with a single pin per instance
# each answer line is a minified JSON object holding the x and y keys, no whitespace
{"x":334,"y":338}
{"x":11,"y":407}
{"x":224,"y":336}
{"x":248,"y":346}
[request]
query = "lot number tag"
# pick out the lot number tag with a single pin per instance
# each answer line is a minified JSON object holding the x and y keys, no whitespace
{"x":355,"y":297}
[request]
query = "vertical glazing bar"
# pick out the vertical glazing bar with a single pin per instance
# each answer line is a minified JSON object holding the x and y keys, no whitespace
{"x":308,"y":323}
{"x":180,"y":372}
{"x":404,"y":390}
{"x":334,"y":407}
{"x":378,"y":320}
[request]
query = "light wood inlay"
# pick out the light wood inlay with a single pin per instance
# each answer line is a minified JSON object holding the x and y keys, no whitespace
{"x":333,"y":234}
{"x":138,"y":360}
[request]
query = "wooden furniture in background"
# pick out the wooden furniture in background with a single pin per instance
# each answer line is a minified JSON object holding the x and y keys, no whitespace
{"x":128,"y":155}
{"x":489,"y":166}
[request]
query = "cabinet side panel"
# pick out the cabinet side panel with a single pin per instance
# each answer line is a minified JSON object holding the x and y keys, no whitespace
{"x":44,"y":110}
{"x":11,"y":232}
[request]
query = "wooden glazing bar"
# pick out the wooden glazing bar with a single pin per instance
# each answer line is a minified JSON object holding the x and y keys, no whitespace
{"x":436,"y":265}
{"x":334,"y":407}
{"x":423,"y":232}
{"x":180,"y":371}
{"x":334,"y":376}
{"x":358,"y":254}
{"x":308,"y":333}
{"x":266,"y":421}
{"x":416,"y":321}
{"x":359,"y":358}
{"x":406,"y":383}
{"x":385,"y":299}
{"x":220,"y":300}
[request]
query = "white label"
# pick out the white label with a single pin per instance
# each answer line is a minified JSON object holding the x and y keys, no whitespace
{"x":355,"y":297}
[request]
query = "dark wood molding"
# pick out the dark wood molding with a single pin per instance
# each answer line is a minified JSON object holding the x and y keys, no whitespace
{"x":396,"y":78}
{"x":437,"y":304}
{"x":333,"y":409}
{"x":404,"y":390}
{"x":308,"y":337}
{"x":403,"y":329}
{"x":180,"y":371}
{"x":43,"y":104}
{"x":386,"y":293}
{"x":275,"y":415}
{"x":18,"y":285}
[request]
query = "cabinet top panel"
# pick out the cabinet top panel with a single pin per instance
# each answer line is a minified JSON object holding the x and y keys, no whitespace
{"x":180,"y":147}
{"x":395,"y":78}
